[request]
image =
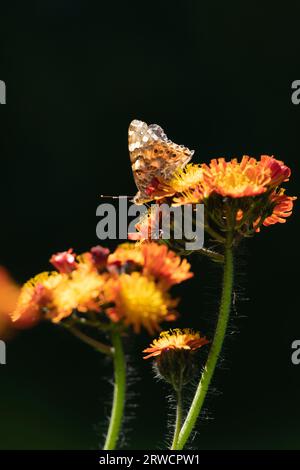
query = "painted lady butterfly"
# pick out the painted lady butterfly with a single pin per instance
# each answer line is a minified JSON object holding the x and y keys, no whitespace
{"x":154,"y":159}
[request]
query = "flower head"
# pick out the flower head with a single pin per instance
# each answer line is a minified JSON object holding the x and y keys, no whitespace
{"x":139,"y":301}
{"x":80,"y":291}
{"x":237,"y":179}
{"x":36,"y":295}
{"x":55,"y":296}
{"x":124,"y":254}
{"x":164,"y":265}
{"x":174,"y":355}
{"x":278,"y":171}
{"x":99,"y":256}
{"x":282,"y":208}
{"x":64,"y":262}
{"x":9,"y":292}
{"x":176,"y":339}
{"x":187,"y":178}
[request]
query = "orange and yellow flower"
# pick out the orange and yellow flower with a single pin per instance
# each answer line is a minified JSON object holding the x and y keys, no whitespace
{"x":80,"y":291}
{"x":139,"y":302}
{"x":164,"y":265}
{"x":154,"y":260}
{"x":187,"y":178}
{"x":176,"y":339}
{"x":64,"y":262}
{"x":56,"y":295}
{"x":250,"y":177}
{"x":283,"y":207}
{"x":278,"y":171}
{"x":237,"y":195}
{"x":125,"y":253}
{"x":36,"y":295}
{"x":130,"y":285}
{"x":9,"y":293}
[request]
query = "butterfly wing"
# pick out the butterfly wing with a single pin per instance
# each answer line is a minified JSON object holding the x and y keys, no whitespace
{"x":153,"y":158}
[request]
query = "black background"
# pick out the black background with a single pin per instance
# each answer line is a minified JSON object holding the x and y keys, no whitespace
{"x":217,"y":77}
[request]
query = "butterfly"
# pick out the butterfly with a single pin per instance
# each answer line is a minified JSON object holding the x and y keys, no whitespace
{"x":154,"y":159}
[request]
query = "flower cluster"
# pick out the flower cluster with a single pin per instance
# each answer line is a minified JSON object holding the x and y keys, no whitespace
{"x":130,"y":286}
{"x":240,"y":196}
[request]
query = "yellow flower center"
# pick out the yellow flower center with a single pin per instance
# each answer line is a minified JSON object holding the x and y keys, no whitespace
{"x":141,"y":302}
{"x":186,"y":178}
{"x":176,"y":338}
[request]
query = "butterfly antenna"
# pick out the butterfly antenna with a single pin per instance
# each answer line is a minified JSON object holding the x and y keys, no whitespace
{"x":115,"y":197}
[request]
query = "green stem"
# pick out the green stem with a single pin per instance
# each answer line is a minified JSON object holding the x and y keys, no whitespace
{"x":178,"y":419}
{"x":101,"y":347}
{"x":212,"y":254}
{"x":214,"y":234}
{"x":215,"y":349}
{"x":119,"y":393}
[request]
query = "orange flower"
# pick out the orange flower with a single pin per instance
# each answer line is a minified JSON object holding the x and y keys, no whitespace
{"x":80,"y":291}
{"x":249,"y":177}
{"x":155,"y":260}
{"x":184,"y":179}
{"x":56,"y":295}
{"x":36,"y":295}
{"x":164,"y":265}
{"x":129,"y":285}
{"x":124,"y":253}
{"x":278,"y":171}
{"x":99,"y":256}
{"x":235,"y":179}
{"x":9,"y":292}
{"x":282,"y":209}
{"x":138,"y":301}
{"x":64,"y":262}
{"x":176,"y":339}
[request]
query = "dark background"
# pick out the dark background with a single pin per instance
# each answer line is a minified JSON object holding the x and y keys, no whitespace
{"x":217,"y":77}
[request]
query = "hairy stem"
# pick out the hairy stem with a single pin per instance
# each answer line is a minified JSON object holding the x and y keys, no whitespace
{"x":91,"y":341}
{"x":178,"y":419}
{"x":215,"y":349}
{"x":119,"y":393}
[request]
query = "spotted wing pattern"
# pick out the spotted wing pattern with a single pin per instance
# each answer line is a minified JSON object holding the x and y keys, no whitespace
{"x":153,"y":157}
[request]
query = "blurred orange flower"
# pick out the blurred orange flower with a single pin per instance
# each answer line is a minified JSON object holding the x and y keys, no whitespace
{"x":36,"y":295}
{"x":80,"y":291}
{"x":9,"y":293}
{"x":125,"y":253}
{"x":130,"y":285}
